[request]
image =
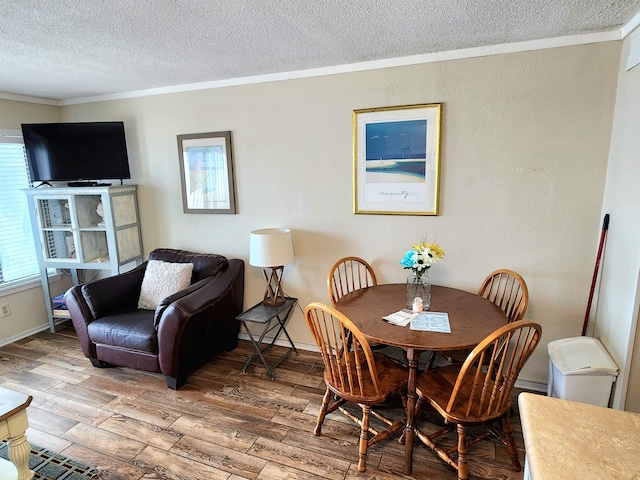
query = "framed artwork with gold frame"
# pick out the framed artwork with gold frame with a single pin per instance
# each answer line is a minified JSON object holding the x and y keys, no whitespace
{"x":206,"y":173}
{"x":396,"y":160}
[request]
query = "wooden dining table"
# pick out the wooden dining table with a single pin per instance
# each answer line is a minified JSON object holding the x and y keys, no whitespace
{"x":471,"y":318}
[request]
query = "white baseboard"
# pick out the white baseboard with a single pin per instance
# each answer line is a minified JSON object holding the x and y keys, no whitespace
{"x":531,"y":385}
{"x":28,"y":333}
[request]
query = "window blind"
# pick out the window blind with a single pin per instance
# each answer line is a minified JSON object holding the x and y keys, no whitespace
{"x":17,"y":251}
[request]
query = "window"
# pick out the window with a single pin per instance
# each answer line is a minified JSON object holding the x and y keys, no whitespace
{"x":18,"y":261}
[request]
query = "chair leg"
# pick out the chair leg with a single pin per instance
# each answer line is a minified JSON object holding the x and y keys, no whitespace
{"x":431,"y":360}
{"x":364,"y":439}
{"x":323,"y":413}
{"x":463,"y":473}
{"x":511,"y":444}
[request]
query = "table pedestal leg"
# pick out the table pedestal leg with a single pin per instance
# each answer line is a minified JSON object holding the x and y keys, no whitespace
{"x":19,"y":452}
{"x":411,"y":406}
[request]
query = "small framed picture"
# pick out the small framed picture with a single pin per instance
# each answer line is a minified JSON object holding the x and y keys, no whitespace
{"x":206,"y":173}
{"x":396,"y":154}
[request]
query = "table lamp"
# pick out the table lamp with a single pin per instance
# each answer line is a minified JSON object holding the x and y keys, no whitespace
{"x":271,"y":249}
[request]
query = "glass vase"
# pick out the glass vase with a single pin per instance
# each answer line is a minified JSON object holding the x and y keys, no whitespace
{"x":419,"y":286}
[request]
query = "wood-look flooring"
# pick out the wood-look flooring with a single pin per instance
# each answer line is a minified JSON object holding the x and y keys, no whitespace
{"x":223,"y":424}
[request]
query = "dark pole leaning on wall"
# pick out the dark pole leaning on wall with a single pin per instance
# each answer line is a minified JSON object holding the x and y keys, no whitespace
{"x":603,"y":234}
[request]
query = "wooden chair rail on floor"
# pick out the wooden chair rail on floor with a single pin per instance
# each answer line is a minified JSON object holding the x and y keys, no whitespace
{"x":347,"y":275}
{"x":478,"y":393}
{"x":353,"y":373}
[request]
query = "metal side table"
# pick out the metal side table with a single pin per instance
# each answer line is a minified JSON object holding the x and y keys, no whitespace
{"x":271,"y":318}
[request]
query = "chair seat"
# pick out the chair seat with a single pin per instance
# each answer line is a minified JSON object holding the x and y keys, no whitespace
{"x":391,"y":378}
{"x":437,"y":386}
{"x":132,"y":330}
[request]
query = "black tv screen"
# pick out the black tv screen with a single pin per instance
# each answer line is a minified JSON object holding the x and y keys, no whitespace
{"x":76,"y":151}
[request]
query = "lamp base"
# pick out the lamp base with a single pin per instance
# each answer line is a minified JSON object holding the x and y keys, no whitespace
{"x":273,"y":294}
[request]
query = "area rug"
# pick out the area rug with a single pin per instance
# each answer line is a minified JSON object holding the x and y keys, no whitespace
{"x":49,"y":465}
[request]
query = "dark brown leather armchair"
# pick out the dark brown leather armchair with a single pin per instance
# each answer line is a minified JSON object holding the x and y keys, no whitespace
{"x":185,"y":331}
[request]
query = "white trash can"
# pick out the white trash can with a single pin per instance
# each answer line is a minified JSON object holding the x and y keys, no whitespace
{"x":580,"y":369}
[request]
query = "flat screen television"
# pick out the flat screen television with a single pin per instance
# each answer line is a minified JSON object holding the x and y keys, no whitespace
{"x":79,"y":153}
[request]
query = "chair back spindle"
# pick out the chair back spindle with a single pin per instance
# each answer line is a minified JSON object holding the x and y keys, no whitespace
{"x":489,"y":373}
{"x":508,"y":290}
{"x":347,"y":275}
{"x":348,"y":358}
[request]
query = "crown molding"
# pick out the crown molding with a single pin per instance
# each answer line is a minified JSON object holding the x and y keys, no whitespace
{"x":365,"y":66}
{"x":467,"y":53}
{"x":28,"y":99}
{"x":630,"y":27}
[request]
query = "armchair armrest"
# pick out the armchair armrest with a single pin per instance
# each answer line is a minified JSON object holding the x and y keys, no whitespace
{"x":165,"y":302}
{"x":201,"y":323}
{"x":81,"y":317}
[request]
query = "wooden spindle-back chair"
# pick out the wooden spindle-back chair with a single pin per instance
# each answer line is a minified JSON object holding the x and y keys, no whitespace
{"x":353,"y":373}
{"x":507,"y":290}
{"x":347,"y":275}
{"x":478,"y":392}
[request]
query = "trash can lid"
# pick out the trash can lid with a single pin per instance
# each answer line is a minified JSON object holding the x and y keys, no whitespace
{"x":581,"y":356}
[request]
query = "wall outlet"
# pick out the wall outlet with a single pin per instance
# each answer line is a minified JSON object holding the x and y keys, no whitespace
{"x":4,"y":310}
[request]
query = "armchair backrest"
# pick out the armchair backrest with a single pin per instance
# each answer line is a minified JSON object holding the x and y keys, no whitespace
{"x":204,"y":264}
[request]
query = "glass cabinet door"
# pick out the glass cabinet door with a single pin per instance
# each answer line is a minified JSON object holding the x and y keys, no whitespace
{"x":57,"y":229}
{"x":72,"y":229}
{"x":92,"y":232}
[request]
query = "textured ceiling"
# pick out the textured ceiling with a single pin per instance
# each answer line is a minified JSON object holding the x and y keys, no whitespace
{"x":66,"y":49}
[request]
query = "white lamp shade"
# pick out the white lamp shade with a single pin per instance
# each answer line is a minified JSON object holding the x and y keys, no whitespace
{"x":271,"y":247}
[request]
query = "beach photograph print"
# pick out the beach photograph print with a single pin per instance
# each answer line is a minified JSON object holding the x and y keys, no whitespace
{"x":396,"y":151}
{"x":396,"y":160}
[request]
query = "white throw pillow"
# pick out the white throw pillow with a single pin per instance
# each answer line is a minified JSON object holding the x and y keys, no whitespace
{"x":162,"y":279}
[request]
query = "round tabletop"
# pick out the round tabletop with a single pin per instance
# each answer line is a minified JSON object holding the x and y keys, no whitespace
{"x":471,"y":317}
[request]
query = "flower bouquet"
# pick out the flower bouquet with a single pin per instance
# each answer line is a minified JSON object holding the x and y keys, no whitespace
{"x":419,"y":259}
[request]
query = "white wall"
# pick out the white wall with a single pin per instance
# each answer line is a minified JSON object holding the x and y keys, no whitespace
{"x":524,"y":155}
{"x":619,"y":297}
